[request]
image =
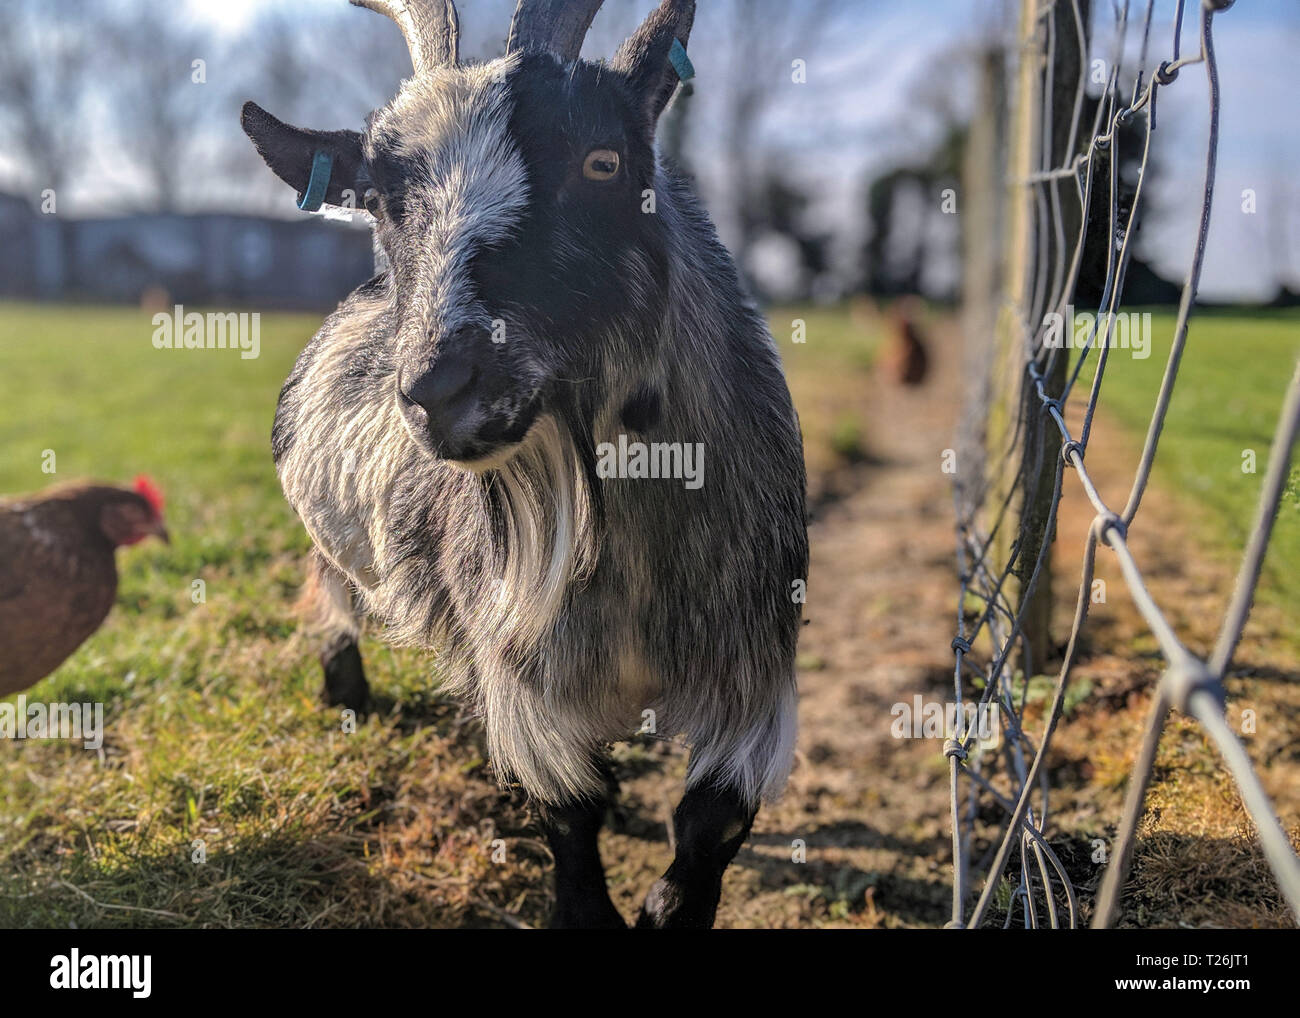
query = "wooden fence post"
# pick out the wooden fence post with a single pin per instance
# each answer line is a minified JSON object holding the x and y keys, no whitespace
{"x":1028,"y":252}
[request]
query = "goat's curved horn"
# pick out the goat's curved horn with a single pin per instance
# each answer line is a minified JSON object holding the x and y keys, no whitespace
{"x":430,"y":27}
{"x":555,"y":25}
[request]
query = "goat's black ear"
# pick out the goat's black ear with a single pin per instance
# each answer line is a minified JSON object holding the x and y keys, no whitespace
{"x":291,"y":152}
{"x":647,"y":57}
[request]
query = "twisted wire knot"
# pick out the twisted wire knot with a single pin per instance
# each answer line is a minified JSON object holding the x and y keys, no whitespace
{"x":1110,"y":521}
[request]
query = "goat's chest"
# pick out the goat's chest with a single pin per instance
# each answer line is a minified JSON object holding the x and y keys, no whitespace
{"x":612,"y":620}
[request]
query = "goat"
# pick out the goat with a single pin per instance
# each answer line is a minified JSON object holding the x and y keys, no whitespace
{"x":553,"y":290}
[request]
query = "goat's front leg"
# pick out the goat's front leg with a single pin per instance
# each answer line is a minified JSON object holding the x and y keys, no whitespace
{"x":710,"y":825}
{"x":581,"y":895}
{"x":328,"y":604}
{"x":345,"y":679}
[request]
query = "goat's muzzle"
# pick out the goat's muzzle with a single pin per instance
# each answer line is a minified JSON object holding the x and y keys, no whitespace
{"x":440,"y":402}
{"x":461,"y":404}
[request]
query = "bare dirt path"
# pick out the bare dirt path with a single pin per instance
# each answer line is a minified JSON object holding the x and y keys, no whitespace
{"x":868,"y":810}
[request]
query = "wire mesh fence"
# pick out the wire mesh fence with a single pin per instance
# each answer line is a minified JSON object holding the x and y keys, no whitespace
{"x":1007,"y":508}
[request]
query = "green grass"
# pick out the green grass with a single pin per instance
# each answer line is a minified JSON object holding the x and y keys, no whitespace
{"x":88,"y":385}
{"x":1234,"y":372}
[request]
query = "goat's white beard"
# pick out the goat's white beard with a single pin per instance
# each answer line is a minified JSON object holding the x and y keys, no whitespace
{"x":536,"y":729}
{"x":547,"y":542}
{"x":549,"y":539}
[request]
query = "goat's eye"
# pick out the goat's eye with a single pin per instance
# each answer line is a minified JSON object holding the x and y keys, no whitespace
{"x":600,"y":164}
{"x":372,"y":202}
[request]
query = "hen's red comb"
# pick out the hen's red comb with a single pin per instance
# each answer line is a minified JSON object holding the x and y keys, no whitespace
{"x":150,"y":492}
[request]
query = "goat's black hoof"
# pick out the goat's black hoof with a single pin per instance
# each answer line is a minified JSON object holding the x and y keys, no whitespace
{"x":671,"y":906}
{"x":345,"y":679}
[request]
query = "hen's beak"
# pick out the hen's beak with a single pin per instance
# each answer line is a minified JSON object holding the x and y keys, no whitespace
{"x":158,"y":530}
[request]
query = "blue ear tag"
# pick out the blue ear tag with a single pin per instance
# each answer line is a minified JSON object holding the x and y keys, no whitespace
{"x":321,"y":165}
{"x":681,"y":62}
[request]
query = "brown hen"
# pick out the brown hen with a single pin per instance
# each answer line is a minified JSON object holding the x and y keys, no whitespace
{"x":904,"y":359}
{"x":58,"y":577}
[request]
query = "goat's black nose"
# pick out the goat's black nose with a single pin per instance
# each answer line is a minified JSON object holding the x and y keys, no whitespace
{"x":450,"y":377}
{"x":444,"y":390}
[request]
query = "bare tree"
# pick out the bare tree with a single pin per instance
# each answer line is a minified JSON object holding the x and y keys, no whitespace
{"x":755,"y":46}
{"x":154,"y":65}
{"x":43,"y":75}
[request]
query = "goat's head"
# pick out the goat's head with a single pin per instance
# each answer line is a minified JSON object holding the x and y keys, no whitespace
{"x":511,"y":198}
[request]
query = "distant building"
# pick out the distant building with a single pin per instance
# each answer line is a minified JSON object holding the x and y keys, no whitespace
{"x":216,"y":259}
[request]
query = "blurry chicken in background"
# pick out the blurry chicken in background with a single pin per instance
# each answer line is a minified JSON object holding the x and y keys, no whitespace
{"x":58,"y":577}
{"x":904,"y":360}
